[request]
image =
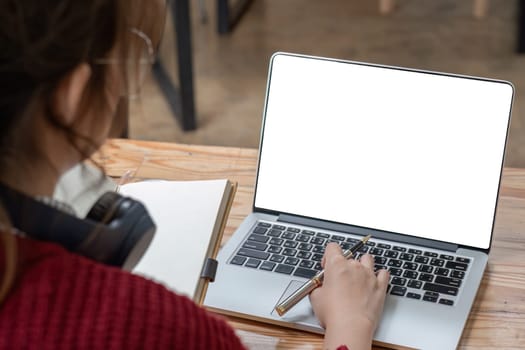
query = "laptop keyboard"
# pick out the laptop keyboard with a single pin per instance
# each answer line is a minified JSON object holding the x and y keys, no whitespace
{"x":415,"y":272}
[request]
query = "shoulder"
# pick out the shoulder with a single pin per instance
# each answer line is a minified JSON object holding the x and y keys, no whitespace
{"x":86,"y":304}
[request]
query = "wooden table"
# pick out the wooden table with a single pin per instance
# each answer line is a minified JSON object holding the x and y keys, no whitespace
{"x":498,"y":315}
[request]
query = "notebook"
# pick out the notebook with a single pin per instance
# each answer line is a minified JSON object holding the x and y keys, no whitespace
{"x":190,"y":218}
{"x":347,"y":149}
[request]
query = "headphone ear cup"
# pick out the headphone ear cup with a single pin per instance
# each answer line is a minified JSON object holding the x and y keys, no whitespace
{"x":105,"y":208}
{"x":124,"y":232}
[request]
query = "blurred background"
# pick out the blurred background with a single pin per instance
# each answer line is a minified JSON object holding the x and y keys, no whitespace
{"x":472,"y":37}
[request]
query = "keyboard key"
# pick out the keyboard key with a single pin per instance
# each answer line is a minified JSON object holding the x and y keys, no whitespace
{"x":279,"y":227}
{"x":322,"y":235}
{"x":406,"y":256}
{"x":442,"y":271}
{"x":426,"y":268}
{"x":253,"y":254}
{"x":414,"y":284}
{"x":238,"y":260}
{"x":290,"y":244}
{"x":457,"y":274}
{"x":456,"y":266}
{"x":398,"y":281}
{"x":317,"y":257}
{"x":395,"y":263}
{"x":380,"y":260}
{"x":426,"y":277}
{"x":421,"y":259}
{"x":446,"y":257}
{"x":293,"y":229}
{"x":352,"y":240}
{"x":308,"y":232}
{"x":453,"y":282}
{"x":276,"y":241}
{"x":253,"y":263}
{"x":264,"y":224}
{"x":410,"y":266}
{"x":274,"y":233}
{"x":398,"y":290}
{"x":338,"y":238}
{"x":277,"y":258}
{"x":399,"y":249}
{"x":286,"y":269}
{"x":260,"y":230}
{"x":363,"y":249}
{"x":318,"y":249}
{"x":289,"y":252}
{"x":376,"y":251}
{"x":255,"y":245}
{"x":274,"y":249}
{"x":288,"y":235}
{"x":463,"y":260}
{"x":305,"y":246}
{"x":413,"y":295}
{"x":268,"y":266}
{"x":415,"y":251}
{"x":446,"y":301}
{"x":259,"y":238}
{"x":370,"y":243}
{"x":291,"y":261}
{"x":318,"y":266}
{"x":430,"y":298}
{"x":317,"y":240}
{"x":303,"y":238}
{"x":384,"y":246}
{"x":306,"y":273}
{"x":304,"y":255}
{"x":345,"y":246}
{"x":438,"y":288}
{"x":437,"y":262}
{"x":395,"y":272}
{"x":410,"y":274}
{"x":307,"y":263}
{"x":430,"y":254}
{"x":391,"y":254}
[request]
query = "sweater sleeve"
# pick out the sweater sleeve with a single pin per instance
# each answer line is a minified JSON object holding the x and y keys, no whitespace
{"x":64,"y":301}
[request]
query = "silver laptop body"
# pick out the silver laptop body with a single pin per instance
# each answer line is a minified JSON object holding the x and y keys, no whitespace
{"x":348,"y":149}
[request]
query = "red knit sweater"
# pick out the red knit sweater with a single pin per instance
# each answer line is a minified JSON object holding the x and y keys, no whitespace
{"x":64,"y":301}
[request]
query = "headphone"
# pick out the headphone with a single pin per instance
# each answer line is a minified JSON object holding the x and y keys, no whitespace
{"x":116,"y":231}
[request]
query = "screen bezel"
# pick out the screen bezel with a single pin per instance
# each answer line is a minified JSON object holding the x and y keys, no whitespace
{"x":300,"y":56}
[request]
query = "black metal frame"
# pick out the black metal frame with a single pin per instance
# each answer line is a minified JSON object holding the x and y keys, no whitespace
{"x":181,"y":99}
{"x":229,"y":15}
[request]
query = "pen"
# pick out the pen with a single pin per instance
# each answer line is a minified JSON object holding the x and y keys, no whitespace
{"x":315,"y":282}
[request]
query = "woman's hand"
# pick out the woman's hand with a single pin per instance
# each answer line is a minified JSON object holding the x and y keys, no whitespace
{"x":350,"y":301}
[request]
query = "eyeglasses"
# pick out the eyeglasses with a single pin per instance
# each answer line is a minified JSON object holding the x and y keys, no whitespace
{"x":140,"y":57}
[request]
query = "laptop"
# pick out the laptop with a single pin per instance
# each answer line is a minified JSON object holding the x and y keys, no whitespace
{"x":348,"y":149}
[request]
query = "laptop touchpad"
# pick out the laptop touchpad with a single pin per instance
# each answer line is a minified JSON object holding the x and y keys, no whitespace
{"x":302,"y":312}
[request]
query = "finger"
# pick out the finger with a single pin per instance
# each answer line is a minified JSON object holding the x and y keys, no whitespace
{"x":368,"y":261}
{"x":383,"y":276}
{"x":332,"y":250}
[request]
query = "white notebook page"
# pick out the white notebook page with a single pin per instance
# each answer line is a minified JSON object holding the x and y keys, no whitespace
{"x":185,"y":213}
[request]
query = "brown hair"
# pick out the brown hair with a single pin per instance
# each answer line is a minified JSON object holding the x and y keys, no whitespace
{"x":41,"y":41}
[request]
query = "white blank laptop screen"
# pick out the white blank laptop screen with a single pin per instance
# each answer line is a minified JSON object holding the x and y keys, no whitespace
{"x":389,"y":149}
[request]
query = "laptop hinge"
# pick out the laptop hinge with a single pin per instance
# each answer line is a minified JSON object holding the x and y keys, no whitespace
{"x":390,"y":236}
